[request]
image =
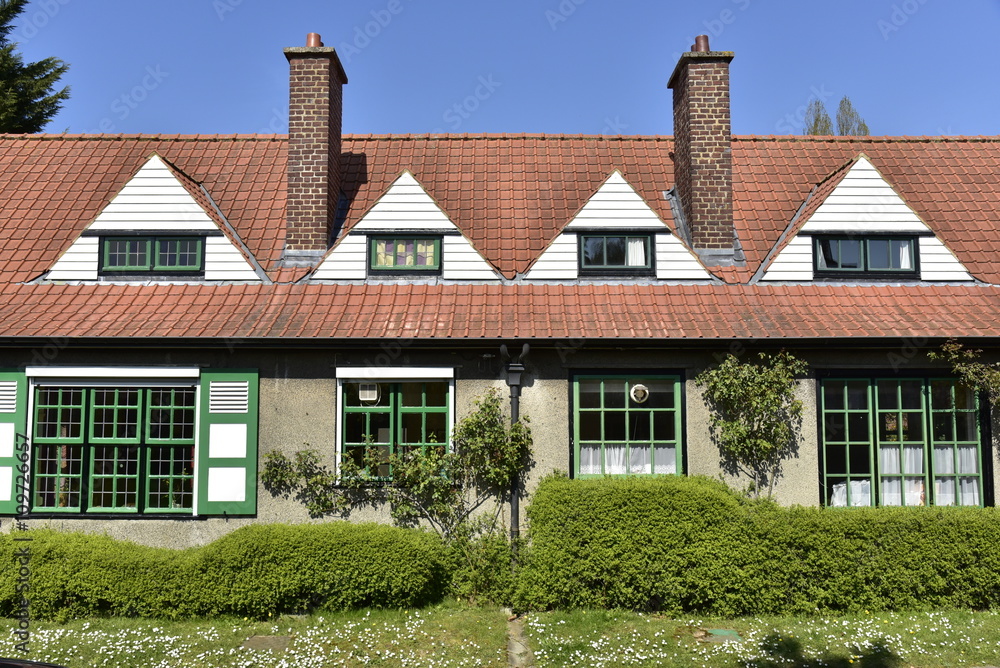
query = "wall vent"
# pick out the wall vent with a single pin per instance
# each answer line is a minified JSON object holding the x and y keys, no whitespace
{"x":228,"y":396}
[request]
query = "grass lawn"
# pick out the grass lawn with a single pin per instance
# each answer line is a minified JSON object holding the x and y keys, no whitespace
{"x":924,"y":640}
{"x":455,"y":635}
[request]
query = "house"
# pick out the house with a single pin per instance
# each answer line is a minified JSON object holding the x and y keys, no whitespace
{"x":173,"y":307}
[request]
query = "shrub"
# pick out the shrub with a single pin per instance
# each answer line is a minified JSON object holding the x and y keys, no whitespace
{"x":254,"y":571}
{"x":692,"y":545}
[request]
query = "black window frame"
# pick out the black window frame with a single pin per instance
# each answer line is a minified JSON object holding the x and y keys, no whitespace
{"x":649,"y":269}
{"x":866,"y":271}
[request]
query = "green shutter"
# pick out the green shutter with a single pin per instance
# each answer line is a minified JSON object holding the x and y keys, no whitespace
{"x":227,"y":447}
{"x":13,"y":413}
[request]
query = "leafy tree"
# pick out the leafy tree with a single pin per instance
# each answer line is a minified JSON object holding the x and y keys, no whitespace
{"x":976,"y":375}
{"x":443,"y":488}
{"x":817,"y":121}
{"x":849,"y":121}
{"x":27,"y":97}
{"x":755,"y":415}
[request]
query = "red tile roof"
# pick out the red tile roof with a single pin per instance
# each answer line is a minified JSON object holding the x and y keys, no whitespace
{"x":492,"y":311}
{"x":510,"y":195}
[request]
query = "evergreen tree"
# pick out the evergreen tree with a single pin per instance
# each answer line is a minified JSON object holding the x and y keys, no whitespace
{"x":27,"y":97}
{"x":849,"y":122}
{"x":817,"y":121}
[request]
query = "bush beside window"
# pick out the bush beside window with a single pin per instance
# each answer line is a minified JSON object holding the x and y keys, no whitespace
{"x":683,"y":545}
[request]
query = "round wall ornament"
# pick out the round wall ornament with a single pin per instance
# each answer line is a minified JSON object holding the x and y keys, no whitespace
{"x":639,"y":393}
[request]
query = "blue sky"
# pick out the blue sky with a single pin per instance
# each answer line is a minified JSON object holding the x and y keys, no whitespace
{"x":911,"y":67}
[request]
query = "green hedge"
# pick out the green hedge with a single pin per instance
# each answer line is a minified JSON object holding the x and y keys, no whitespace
{"x":253,"y":572}
{"x":691,"y":545}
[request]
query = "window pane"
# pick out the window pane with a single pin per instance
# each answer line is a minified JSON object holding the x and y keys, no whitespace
{"x":615,"y":248}
{"x":860,"y":459}
{"x":590,"y":393}
{"x":413,"y":428}
{"x":614,"y":425}
{"x":888,"y":394}
{"x":593,"y":252}
{"x":833,"y":427}
{"x":850,"y":254}
{"x":966,"y":427}
{"x":833,"y":394}
{"x":614,"y":454}
{"x":665,"y":459}
{"x":436,"y":427}
{"x":590,"y":426}
{"x":436,"y":394}
{"x":857,"y":394}
{"x":639,"y":427}
{"x":413,"y":394}
{"x":639,"y":459}
{"x":857,"y":427}
{"x":590,"y":459}
{"x":661,"y":394}
{"x":637,"y":252}
{"x":878,"y":254}
{"x":664,"y":426}
{"x":941,"y":394}
{"x":910,"y":391}
{"x":614,"y":393}
{"x":836,"y":459}
{"x":901,"y":254}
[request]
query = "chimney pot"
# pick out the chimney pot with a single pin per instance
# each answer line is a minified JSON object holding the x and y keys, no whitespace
{"x":313,"y":39}
{"x":700,"y":43}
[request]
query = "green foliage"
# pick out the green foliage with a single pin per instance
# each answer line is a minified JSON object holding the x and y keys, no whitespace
{"x":27,"y":99}
{"x":440,"y":487}
{"x":255,"y":572}
{"x":849,"y":121}
{"x":683,"y":545}
{"x":817,"y":121}
{"x":755,"y":415}
{"x":976,"y":375}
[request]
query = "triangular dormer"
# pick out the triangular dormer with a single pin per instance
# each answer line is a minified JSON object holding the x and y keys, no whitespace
{"x":616,"y":215}
{"x":846,"y":224}
{"x":161,"y":226}
{"x":405,"y":234}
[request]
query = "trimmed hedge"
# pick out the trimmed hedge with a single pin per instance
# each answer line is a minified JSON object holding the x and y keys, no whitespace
{"x":253,"y":572}
{"x":692,"y":545}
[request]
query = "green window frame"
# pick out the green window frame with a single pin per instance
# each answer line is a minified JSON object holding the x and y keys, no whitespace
{"x":900,"y":442}
{"x":394,"y":418}
{"x":616,"y":253}
{"x":627,"y":425}
{"x":405,"y":254}
{"x":114,"y":449}
{"x":152,"y":254}
{"x":846,"y":255}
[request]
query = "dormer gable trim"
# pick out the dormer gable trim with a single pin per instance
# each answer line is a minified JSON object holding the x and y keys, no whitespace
{"x":160,"y":201}
{"x":616,"y":208}
{"x":405,"y":209}
{"x":858,"y":201}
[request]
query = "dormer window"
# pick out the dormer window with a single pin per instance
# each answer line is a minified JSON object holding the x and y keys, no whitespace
{"x":153,"y":255}
{"x":868,"y":256}
{"x":616,"y":254}
{"x":404,"y":255}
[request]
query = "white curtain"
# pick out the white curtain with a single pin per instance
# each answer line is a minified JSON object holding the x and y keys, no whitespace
{"x":913,"y":459}
{"x":861,"y":493}
{"x":636,"y":252}
{"x":914,"y":491}
{"x":638,"y":459}
{"x":590,"y":459}
{"x":666,"y":459}
{"x":892,"y":492}
{"x":888,"y":460}
{"x":838,"y":499}
{"x":904,"y":255}
{"x":944,"y":461}
{"x":614,"y":455}
{"x":968,"y":462}
{"x":968,"y":489}
{"x":944,"y":490}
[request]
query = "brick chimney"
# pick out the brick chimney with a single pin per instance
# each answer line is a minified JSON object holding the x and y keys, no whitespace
{"x":315,"y":103}
{"x":703,"y":168}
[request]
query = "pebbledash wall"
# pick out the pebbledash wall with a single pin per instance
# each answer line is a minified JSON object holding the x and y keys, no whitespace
{"x":298,"y":409}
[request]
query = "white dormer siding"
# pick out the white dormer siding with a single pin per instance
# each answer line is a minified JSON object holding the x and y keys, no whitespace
{"x":616,"y":206}
{"x":405,"y":208}
{"x":864,"y":203}
{"x":153,"y":201}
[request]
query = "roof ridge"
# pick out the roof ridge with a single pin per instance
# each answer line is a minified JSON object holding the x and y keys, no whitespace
{"x":869,"y":139}
{"x":143,"y":137}
{"x":504,"y":135}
